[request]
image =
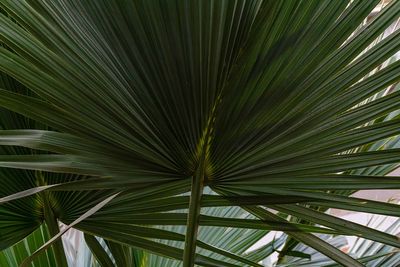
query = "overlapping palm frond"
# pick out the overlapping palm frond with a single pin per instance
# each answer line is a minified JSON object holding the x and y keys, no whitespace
{"x":368,"y":252}
{"x":129,"y":110}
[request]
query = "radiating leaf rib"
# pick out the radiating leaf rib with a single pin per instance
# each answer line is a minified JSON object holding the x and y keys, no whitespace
{"x":338,"y":223}
{"x":337,"y":201}
{"x":147,"y":232}
{"x":51,"y":163}
{"x":312,"y":241}
{"x":305,"y":238}
{"x":326,"y":181}
{"x":121,"y":253}
{"x":180,"y":218}
{"x":181,"y":202}
{"x":90,"y":212}
{"x":154,"y":247}
{"x":98,"y":251}
{"x":25,"y":193}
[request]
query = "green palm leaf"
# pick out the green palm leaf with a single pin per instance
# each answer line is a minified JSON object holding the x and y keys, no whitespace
{"x":273,"y":105}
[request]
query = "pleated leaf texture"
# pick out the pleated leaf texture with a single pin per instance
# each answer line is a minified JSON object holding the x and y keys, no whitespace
{"x":179,"y":133}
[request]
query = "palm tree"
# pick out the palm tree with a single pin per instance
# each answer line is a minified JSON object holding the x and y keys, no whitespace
{"x":190,"y":129}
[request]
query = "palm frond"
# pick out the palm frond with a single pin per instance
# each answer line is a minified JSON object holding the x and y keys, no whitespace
{"x":284,"y":106}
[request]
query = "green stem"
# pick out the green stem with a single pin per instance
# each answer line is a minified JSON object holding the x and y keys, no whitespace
{"x":193,"y":217}
{"x":53,"y":228}
{"x":198,"y":178}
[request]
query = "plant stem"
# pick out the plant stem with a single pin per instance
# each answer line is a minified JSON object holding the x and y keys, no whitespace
{"x":52,"y":225}
{"x":193,"y":215}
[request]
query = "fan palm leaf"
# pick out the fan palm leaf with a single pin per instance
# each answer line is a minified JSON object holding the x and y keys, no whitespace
{"x":128,"y":110}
